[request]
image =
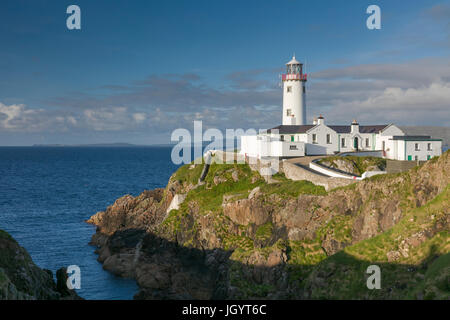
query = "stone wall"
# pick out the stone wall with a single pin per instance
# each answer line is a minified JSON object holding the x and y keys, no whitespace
{"x":294,"y":172}
{"x":395,"y":166}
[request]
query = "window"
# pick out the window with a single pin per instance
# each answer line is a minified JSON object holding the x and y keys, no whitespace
{"x":304,"y":89}
{"x":292,"y":138}
{"x":328,"y":138}
{"x":282,"y":138}
{"x":429,"y":147}
{"x":416,"y":147}
{"x":293,"y":147}
{"x":314,"y":137}
{"x":416,"y":158}
{"x":367,"y":142}
{"x":343,"y":142}
{"x":289,"y":89}
{"x":288,"y":112}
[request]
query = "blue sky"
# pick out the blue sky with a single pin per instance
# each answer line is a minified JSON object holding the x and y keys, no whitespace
{"x":139,"y":69}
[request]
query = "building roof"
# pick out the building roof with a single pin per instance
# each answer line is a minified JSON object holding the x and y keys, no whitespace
{"x":362,"y":129}
{"x":415,"y":138}
{"x":290,"y":129}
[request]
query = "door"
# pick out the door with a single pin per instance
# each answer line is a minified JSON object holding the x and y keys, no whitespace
{"x":355,"y":143}
{"x":409,"y":158}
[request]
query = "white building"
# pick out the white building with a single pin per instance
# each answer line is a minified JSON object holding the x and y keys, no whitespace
{"x":295,"y":138}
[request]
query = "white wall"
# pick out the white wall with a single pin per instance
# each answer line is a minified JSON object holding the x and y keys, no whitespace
{"x":321,"y":147}
{"x":423,"y":152}
{"x":294,"y":100}
{"x":265,"y":146}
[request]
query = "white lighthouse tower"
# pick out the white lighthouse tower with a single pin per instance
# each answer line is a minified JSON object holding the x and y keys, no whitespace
{"x":294,"y":94}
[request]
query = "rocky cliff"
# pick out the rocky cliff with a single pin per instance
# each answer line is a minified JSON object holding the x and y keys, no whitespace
{"x":236,"y":236}
{"x":21,"y":279}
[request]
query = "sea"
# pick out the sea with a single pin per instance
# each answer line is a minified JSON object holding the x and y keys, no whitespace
{"x":47,"y":193}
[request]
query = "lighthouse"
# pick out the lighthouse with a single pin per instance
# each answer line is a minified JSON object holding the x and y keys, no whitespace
{"x":294,"y":94}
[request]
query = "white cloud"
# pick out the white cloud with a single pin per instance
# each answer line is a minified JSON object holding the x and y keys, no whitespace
{"x":139,"y":117}
{"x":16,"y":116}
{"x":425,"y":105}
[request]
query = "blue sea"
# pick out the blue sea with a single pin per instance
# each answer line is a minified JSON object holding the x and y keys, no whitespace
{"x":46,"y":194}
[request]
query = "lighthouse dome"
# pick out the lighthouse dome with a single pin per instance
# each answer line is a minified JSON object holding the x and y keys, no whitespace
{"x":293,"y":61}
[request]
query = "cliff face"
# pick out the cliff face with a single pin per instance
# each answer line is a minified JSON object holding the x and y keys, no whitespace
{"x":235,"y":236}
{"x":21,"y":279}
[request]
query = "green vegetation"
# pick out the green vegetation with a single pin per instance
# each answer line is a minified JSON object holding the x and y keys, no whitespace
{"x":358,"y":164}
{"x":289,"y":188}
{"x":340,"y":227}
{"x":189,"y":173}
{"x":5,"y":235}
{"x":264,"y":232}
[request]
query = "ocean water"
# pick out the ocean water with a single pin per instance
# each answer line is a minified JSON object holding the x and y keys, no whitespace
{"x":46,"y":194}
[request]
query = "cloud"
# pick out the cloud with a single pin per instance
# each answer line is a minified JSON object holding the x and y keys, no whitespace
{"x":414,"y":92}
{"x":426,"y":105}
{"x":17,"y":117}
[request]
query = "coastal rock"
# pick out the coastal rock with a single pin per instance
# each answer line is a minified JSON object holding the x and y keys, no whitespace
{"x":177,"y":200}
{"x":245,"y":211}
{"x":269,"y":245}
{"x":21,"y":279}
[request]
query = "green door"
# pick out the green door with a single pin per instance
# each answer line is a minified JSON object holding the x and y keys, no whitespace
{"x":409,"y":158}
{"x":292,"y":138}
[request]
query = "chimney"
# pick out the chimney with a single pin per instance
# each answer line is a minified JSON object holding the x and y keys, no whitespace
{"x":315,"y":121}
{"x":320,"y":120}
{"x":355,"y":126}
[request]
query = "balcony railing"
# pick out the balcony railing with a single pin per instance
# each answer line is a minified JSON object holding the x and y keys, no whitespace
{"x":294,"y":76}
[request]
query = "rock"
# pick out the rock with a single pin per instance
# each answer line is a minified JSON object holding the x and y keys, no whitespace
{"x":254,"y":193}
{"x":276,"y":257}
{"x":176,"y":202}
{"x":153,"y":276}
{"x":120,"y":265}
{"x":393,"y":256}
{"x":217,"y":180}
{"x":235,"y":175}
{"x":61,"y":286}
{"x":21,"y":279}
{"x":245,"y":211}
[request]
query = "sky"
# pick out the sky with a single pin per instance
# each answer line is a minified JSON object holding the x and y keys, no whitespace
{"x":137,"y":70}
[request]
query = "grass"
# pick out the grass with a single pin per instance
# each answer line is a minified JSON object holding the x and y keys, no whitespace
{"x":187,"y":174}
{"x":289,"y":188}
{"x":360,"y":164}
{"x":339,"y":226}
{"x":264,"y":232}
